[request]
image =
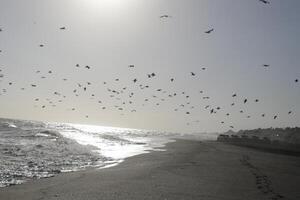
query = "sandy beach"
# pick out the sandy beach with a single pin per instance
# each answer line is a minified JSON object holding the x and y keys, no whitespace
{"x":187,"y":170}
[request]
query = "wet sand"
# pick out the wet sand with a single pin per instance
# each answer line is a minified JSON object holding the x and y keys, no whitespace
{"x":187,"y":170}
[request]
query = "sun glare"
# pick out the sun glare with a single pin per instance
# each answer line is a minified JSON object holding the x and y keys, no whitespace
{"x":107,"y":4}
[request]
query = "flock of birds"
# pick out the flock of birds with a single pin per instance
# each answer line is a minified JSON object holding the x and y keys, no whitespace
{"x":124,"y":95}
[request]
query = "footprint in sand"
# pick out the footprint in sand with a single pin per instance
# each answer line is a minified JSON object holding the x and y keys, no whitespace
{"x":263,"y":183}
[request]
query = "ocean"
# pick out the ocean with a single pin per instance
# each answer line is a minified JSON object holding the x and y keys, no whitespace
{"x":34,"y":150}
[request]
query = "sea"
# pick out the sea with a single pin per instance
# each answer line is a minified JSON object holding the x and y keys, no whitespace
{"x":34,"y":150}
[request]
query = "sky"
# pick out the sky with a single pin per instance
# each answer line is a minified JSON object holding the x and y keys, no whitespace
{"x":110,"y":35}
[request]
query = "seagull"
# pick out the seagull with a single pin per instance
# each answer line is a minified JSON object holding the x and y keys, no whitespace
{"x":62,"y":28}
{"x":172,"y":79}
{"x":135,"y":80}
{"x":77,"y":65}
{"x":88,"y":67}
{"x":41,"y":45}
{"x":290,"y":112}
{"x":266,"y":65}
{"x":263,"y":115}
{"x":203,"y":68}
{"x":245,"y":101}
{"x":131,"y":66}
{"x":296,"y":80}
{"x":275,"y":117}
{"x":209,"y":31}
{"x":234,"y":95}
{"x":265,"y":1}
{"x":231,"y":126}
{"x":193,"y":74}
{"x":256,"y":100}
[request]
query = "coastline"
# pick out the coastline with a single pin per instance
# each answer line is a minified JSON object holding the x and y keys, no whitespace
{"x":186,"y":170}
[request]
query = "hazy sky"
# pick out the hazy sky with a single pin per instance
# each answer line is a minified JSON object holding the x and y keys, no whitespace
{"x":109,"y":35}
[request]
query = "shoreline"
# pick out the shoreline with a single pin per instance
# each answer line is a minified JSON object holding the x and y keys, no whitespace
{"x":186,"y":170}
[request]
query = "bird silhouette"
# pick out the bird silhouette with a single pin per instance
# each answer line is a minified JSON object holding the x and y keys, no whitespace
{"x":265,"y":1}
{"x":88,"y":67}
{"x":296,"y":80}
{"x":266,"y":65}
{"x":245,"y":100}
{"x":165,"y":16}
{"x":209,"y":31}
{"x":193,"y":74}
{"x":275,"y":117}
{"x":62,"y":28}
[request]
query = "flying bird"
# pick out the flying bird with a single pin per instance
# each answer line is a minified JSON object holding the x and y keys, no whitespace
{"x":62,"y":28}
{"x":265,"y":1}
{"x":209,"y":31}
{"x":266,"y":65}
{"x":131,"y":66}
{"x":296,"y":80}
{"x":88,"y":67}
{"x":193,"y":74}
{"x":165,"y":16}
{"x":245,"y":101}
{"x":275,"y":117}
